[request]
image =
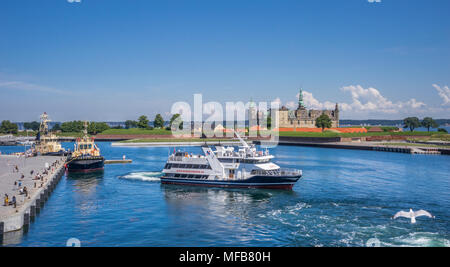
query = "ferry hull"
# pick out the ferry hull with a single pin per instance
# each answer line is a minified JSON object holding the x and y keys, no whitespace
{"x":285,"y":183}
{"x":86,"y":165}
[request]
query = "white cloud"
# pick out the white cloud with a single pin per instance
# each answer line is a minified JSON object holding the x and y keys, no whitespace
{"x":444,"y":93}
{"x":313,"y":103}
{"x":291,"y":104}
{"x":277,"y":101}
{"x":365,"y":102}
{"x":372,"y":100}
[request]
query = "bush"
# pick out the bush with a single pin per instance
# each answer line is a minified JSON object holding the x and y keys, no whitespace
{"x":97,"y":127}
{"x":442,"y":130}
{"x":72,"y":126}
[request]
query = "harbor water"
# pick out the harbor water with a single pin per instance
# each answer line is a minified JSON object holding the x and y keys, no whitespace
{"x":346,"y":198}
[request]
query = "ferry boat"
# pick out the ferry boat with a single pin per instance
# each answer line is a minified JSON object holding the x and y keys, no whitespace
{"x":86,"y":155}
{"x":46,"y":142}
{"x":225,"y":167}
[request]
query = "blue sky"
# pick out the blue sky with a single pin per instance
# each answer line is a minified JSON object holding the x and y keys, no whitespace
{"x":112,"y":60}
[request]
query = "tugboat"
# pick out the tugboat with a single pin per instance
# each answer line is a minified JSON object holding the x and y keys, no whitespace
{"x":86,"y":155}
{"x":245,"y":168}
{"x":47,"y":143}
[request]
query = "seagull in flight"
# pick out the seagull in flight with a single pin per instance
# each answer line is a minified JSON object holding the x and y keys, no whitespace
{"x":413,"y":215}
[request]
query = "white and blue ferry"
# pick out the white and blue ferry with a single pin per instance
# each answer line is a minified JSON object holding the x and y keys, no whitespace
{"x":225,"y":167}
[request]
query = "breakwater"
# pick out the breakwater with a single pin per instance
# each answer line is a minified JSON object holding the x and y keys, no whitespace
{"x":335,"y":142}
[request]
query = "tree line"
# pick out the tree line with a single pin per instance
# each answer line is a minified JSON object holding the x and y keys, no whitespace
{"x":158,"y":122}
{"x":410,"y":123}
{"x":78,"y":126}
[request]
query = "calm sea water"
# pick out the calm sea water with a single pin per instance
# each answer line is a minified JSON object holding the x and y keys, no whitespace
{"x":345,"y":198}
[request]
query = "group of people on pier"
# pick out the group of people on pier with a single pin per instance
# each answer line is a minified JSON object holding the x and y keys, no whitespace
{"x":35,"y":176}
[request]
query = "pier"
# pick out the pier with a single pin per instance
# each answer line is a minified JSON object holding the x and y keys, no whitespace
{"x":18,"y":217}
{"x":118,"y":161}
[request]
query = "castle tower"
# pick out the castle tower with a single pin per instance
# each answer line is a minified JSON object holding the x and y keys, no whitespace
{"x":301,"y":104}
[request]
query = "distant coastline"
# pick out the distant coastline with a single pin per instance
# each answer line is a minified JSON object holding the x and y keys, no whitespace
{"x":343,"y":123}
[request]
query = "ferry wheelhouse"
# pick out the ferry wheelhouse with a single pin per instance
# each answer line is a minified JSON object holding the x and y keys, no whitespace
{"x":225,"y":167}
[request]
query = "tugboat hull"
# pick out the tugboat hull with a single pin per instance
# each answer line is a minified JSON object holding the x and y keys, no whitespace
{"x":86,"y":164}
{"x":59,"y":153}
{"x":262,"y":182}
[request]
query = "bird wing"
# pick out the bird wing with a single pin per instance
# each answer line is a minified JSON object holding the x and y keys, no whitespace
{"x":423,"y":213}
{"x":402,"y":214}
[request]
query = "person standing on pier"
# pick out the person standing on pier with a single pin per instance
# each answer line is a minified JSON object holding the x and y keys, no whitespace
{"x":6,"y":200}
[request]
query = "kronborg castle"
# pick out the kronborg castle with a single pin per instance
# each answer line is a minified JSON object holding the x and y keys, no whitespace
{"x":303,"y":117}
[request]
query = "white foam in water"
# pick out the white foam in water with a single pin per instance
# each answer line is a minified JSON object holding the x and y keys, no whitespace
{"x":143,"y":176}
{"x":421,"y":240}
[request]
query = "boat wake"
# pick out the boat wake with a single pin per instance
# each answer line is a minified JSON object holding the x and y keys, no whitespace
{"x":143,"y":176}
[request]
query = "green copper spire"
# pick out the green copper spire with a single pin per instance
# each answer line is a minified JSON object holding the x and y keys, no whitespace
{"x":300,"y":99}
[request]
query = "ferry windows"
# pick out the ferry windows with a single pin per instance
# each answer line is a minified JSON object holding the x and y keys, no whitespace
{"x":186,"y":166}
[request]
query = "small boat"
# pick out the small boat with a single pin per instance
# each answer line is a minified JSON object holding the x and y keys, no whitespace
{"x":224,"y":167}
{"x":86,"y":155}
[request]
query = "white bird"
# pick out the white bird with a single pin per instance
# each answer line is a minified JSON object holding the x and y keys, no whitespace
{"x":413,"y":215}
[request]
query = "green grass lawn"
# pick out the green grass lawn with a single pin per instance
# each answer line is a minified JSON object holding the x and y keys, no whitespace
{"x":136,"y":131}
{"x":173,"y":140}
